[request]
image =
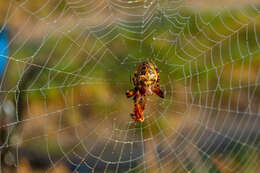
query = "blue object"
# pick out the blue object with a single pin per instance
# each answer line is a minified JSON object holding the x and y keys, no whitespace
{"x":3,"y":49}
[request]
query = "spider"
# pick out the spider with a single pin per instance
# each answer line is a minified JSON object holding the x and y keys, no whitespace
{"x":146,"y":81}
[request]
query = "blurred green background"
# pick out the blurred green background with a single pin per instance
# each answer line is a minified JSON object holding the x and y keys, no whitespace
{"x":69,"y":68}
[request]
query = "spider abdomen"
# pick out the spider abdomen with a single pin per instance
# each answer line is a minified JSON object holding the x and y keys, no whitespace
{"x":146,"y":74}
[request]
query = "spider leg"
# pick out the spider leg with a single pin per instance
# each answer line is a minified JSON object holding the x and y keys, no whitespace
{"x":142,"y":90}
{"x":133,"y":116}
{"x":157,"y":90}
{"x":130,"y":93}
{"x":139,"y":112}
{"x":140,"y":105}
{"x":158,"y":79}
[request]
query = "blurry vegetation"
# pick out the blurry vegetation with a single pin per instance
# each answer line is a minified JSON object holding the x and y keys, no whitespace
{"x":77,"y":77}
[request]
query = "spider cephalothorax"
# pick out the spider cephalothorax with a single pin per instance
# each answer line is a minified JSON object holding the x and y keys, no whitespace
{"x":146,"y":81}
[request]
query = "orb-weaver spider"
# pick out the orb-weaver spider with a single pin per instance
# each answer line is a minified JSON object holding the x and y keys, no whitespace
{"x":146,"y":81}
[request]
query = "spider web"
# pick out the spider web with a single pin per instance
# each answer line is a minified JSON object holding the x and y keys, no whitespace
{"x":69,"y":68}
